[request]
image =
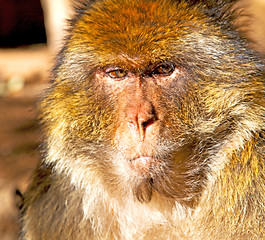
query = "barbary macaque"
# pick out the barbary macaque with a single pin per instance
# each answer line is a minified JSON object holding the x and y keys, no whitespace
{"x":154,"y":127}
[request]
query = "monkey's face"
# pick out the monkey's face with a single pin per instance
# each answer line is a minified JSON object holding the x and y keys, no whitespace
{"x":149,"y":146}
{"x":130,"y":91}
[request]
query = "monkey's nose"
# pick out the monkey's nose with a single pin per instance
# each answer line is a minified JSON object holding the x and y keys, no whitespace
{"x":140,"y":119}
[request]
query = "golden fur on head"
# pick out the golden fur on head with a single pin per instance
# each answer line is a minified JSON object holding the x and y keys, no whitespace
{"x":154,"y":127}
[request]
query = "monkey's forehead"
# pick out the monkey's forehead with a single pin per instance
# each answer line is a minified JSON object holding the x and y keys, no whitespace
{"x":134,"y":29}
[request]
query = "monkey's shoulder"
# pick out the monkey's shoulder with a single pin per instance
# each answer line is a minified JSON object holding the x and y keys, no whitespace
{"x":51,"y":186}
{"x":56,"y":204}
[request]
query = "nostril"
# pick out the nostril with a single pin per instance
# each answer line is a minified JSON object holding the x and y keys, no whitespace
{"x":147,"y":123}
{"x":133,"y":125}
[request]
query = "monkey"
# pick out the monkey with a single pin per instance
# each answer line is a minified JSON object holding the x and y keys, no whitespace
{"x":153,"y":127}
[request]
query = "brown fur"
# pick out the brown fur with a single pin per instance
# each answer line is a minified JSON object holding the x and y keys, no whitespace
{"x":135,"y":153}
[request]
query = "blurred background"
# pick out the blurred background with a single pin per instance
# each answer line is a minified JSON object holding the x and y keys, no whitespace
{"x":31,"y":33}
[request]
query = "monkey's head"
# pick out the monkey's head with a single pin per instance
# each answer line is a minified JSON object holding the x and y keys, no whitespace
{"x":143,"y":91}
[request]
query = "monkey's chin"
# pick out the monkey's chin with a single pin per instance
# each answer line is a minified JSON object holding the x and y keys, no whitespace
{"x":143,"y":168}
{"x":152,"y":174}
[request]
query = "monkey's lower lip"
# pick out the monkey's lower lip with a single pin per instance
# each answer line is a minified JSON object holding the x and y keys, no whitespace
{"x":143,"y":164}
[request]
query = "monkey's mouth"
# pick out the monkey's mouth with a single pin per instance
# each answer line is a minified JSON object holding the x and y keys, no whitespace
{"x":144,"y":164}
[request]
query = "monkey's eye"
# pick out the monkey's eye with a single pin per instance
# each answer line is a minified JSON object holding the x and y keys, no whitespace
{"x":163,"y":69}
{"x":116,"y":72}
